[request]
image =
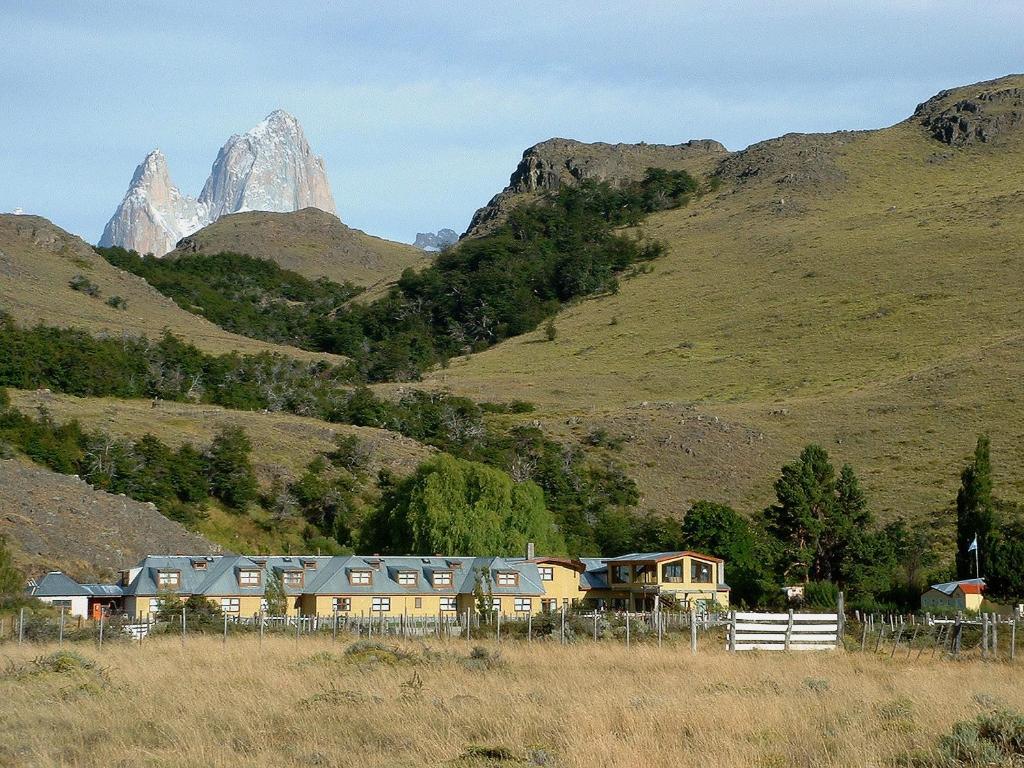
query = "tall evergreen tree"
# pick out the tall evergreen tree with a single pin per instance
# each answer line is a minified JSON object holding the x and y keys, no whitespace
{"x":844,"y":541}
{"x":975,"y":513}
{"x":806,"y":496}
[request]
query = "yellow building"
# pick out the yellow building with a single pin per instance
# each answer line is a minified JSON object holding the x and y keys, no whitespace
{"x":965,"y":595}
{"x":651,"y":581}
{"x":413,"y":586}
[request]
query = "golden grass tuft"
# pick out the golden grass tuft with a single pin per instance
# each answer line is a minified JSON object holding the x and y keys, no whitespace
{"x":213,"y":705}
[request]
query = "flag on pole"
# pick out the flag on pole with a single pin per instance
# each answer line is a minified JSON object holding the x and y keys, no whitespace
{"x":974,"y":544}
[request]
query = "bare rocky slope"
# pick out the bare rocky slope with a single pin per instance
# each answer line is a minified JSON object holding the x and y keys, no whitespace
{"x":312,"y":242}
{"x":59,"y":522}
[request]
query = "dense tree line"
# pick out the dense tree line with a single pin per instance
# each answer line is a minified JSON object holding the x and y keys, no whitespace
{"x":178,"y":481}
{"x":246,"y":295}
{"x":476,"y":294}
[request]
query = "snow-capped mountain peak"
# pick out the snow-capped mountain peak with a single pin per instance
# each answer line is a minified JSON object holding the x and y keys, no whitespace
{"x":269,"y":168}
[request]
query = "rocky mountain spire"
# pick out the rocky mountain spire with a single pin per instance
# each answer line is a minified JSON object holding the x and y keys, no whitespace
{"x":154,"y":214}
{"x":270,"y":168}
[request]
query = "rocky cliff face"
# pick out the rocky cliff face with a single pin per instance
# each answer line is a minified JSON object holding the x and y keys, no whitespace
{"x":270,"y":168}
{"x":555,"y":163}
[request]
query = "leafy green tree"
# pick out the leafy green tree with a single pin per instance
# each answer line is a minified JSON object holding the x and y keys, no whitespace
{"x":483,"y":593}
{"x":717,"y":529}
{"x":168,"y":607}
{"x":462,"y":507}
{"x":975,"y":513}
{"x":12,"y":580}
{"x":274,"y":595}
{"x":230,"y":472}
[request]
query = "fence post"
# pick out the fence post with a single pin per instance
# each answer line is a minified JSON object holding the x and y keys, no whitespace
{"x":298,"y":627}
{"x":60,"y":634}
{"x":225,"y":629}
{"x":693,"y":630}
{"x":957,"y":632}
{"x":841,"y":621}
{"x":101,"y":628}
{"x":561,"y":632}
{"x":21,"y":626}
{"x":789,"y":629}
{"x":627,"y":628}
{"x":731,"y":634}
{"x":659,"y":624}
{"x":895,"y":645}
{"x":334,"y":631}
{"x":1013,"y":638}
{"x":595,"y":623}
{"x":995,"y":636}
{"x":262,"y":621}
{"x":183,"y":625}
{"x":529,"y":625}
{"x":863,"y":634}
{"x":498,"y":630}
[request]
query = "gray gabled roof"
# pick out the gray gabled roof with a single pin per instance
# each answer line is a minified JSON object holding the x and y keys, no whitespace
{"x":596,"y":574}
{"x":57,"y":584}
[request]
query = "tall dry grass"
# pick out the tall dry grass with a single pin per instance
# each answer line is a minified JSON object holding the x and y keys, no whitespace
{"x":308,"y":703}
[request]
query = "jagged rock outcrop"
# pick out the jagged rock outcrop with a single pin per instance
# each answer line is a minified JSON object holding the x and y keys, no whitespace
{"x":555,"y":163}
{"x":799,"y":160}
{"x":436,"y":241}
{"x":975,"y":114}
{"x":269,"y":168}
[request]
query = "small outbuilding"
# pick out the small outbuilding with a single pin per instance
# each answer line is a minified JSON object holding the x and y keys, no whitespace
{"x":84,"y":600}
{"x":963,"y":595}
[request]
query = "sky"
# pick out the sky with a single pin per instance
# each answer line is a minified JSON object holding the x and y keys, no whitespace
{"x":422,"y":109}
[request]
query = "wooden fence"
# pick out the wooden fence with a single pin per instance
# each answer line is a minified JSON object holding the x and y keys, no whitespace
{"x":784,"y":631}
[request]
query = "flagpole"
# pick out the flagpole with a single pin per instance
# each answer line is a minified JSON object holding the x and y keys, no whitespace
{"x":977,"y":570}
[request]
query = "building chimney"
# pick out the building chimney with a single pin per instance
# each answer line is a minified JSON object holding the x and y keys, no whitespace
{"x":530,"y":550}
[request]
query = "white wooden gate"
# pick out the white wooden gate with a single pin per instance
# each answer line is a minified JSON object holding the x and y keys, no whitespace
{"x":784,"y":632}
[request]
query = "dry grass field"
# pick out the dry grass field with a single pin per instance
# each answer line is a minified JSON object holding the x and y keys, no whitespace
{"x":861,"y":289}
{"x":309,"y":703}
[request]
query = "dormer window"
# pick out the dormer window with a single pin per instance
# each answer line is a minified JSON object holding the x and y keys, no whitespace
{"x":249,"y":577}
{"x":507,"y":579}
{"x":309,"y":565}
{"x":168,"y":579}
{"x":293,"y":578}
{"x":360,"y":577}
{"x":547,"y":573}
{"x":199,"y":565}
{"x":408,"y":578}
{"x":700,"y":573}
{"x":443,"y":578}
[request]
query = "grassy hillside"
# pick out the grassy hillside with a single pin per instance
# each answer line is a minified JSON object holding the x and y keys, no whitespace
{"x":282,"y":447}
{"x":860,"y":289}
{"x":310,"y":242}
{"x":38,"y":262}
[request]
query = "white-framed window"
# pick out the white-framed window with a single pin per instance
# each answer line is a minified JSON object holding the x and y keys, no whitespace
{"x":381,"y":604}
{"x":507,"y":578}
{"x":360,"y":577}
{"x":168,"y":579}
{"x":496,"y":604}
{"x":341,"y":604}
{"x":419,"y":602}
{"x":230,"y":604}
{"x":524,"y":604}
{"x":549,"y":604}
{"x":407,"y":578}
{"x":547,"y":573}
{"x":443,"y":578}
{"x":154,"y":605}
{"x":60,"y":603}
{"x":293,"y":578}
{"x":249,"y":577}
{"x":448,"y":604}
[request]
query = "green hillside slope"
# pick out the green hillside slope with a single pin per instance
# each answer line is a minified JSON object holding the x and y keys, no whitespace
{"x":861,"y":289}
